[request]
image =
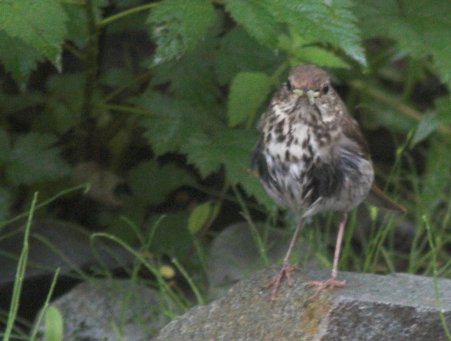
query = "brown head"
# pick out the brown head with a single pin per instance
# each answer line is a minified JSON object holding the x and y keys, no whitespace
{"x":308,"y":77}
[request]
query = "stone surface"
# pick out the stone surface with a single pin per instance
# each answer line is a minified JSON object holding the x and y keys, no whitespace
{"x":370,"y":307}
{"x":234,"y":255}
{"x":110,"y":310}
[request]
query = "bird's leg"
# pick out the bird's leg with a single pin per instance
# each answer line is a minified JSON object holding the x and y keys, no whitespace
{"x":287,"y":268}
{"x":332,"y":282}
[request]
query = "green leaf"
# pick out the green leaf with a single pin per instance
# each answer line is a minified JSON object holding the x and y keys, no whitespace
{"x":172,"y":237}
{"x":18,"y":58}
{"x":247,"y":92}
{"x":425,"y":128}
{"x":54,"y":326}
{"x":39,"y":24}
{"x":228,"y":147}
{"x":231,"y":149}
{"x":421,"y":28}
{"x":11,"y":104}
{"x":178,"y":25}
{"x":256,"y":19}
{"x":191,"y":78}
{"x":151,"y":183}
{"x":239,"y":52}
{"x":64,"y":102}
{"x":32,"y":160}
{"x":436,"y":176}
{"x":171,"y":123}
{"x":443,"y":107}
{"x":316,"y":21}
{"x":300,"y":52}
{"x":77,"y":26}
{"x":199,"y":216}
{"x":250,"y":182}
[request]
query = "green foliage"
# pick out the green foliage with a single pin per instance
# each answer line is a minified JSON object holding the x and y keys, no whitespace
{"x":32,"y":159}
{"x":200,"y":216}
{"x":167,"y":100}
{"x":420,"y":28}
{"x":178,"y":25}
{"x":247,"y":92}
{"x":38,"y":24}
{"x":239,"y":52}
{"x":53,"y":324}
{"x":322,"y":21}
{"x":256,"y":18}
{"x":151,"y":183}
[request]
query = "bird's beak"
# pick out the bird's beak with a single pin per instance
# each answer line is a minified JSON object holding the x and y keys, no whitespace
{"x":312,"y":95}
{"x":298,"y":92}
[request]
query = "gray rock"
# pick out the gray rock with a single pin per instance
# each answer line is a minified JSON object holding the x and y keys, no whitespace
{"x":110,"y":310}
{"x":56,"y":244}
{"x":370,"y":307}
{"x":234,"y":255}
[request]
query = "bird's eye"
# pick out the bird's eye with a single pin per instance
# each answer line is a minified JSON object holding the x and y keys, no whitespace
{"x":325,"y":89}
{"x":288,"y":84}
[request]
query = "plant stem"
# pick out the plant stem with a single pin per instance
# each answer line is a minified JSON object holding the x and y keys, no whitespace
{"x":122,"y":14}
{"x":20,"y":274}
{"x":124,"y":108}
{"x":86,"y":126}
{"x":393,"y":102}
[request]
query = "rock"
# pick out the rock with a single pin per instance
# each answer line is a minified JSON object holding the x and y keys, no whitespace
{"x":370,"y":307}
{"x":234,"y":255}
{"x":56,"y":244}
{"x":98,"y":310}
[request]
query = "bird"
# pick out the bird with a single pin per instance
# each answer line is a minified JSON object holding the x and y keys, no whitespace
{"x":312,"y":157}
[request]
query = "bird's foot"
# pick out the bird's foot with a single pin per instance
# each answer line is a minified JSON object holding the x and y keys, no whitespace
{"x":330,"y":283}
{"x":285,"y":271}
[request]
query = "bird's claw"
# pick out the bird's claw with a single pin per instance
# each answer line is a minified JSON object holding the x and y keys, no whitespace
{"x":330,"y":283}
{"x":285,"y":271}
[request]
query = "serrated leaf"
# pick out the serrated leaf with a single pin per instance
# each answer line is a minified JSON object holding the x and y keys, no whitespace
{"x":199,"y":216}
{"x":39,"y":24}
{"x":151,"y":183}
{"x":239,"y":52}
{"x":64,"y":101}
{"x":178,"y":25}
{"x":230,"y":148}
{"x":426,"y":126}
{"x":32,"y":159}
{"x":11,"y":104}
{"x":170,"y":122}
{"x":18,"y":58}
{"x":256,"y":19}
{"x":251,"y":184}
{"x":419,"y":27}
{"x":320,"y":21}
{"x":247,"y":92}
{"x":191,"y":78}
{"x":321,"y":57}
{"x":301,"y":52}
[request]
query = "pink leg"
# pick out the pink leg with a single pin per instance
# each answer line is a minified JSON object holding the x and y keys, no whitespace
{"x":332,"y":282}
{"x":287,"y":268}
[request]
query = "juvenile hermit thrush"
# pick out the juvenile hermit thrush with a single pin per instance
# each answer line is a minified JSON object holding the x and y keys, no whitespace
{"x":312,"y":157}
